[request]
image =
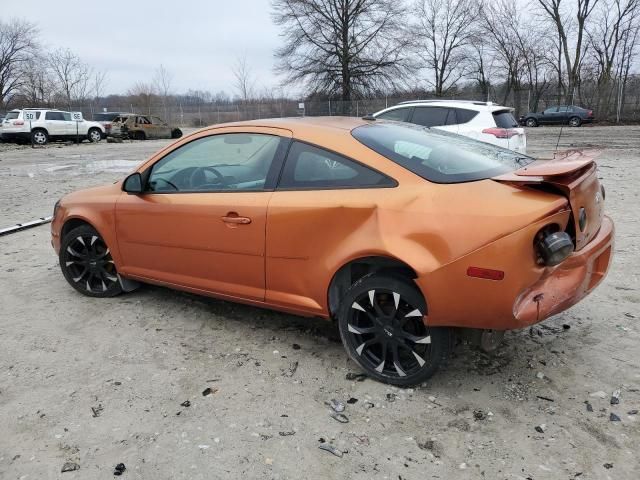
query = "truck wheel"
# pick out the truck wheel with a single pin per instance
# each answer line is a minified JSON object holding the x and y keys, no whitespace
{"x":94,"y":135}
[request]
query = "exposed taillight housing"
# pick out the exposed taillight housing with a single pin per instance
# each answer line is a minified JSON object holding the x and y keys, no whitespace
{"x":553,"y":247}
{"x":501,"y":132}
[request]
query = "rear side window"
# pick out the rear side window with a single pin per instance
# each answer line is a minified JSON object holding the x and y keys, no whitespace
{"x":309,"y":167}
{"x":433,"y":116}
{"x":55,"y":116}
{"x":399,"y":114}
{"x":463,"y":115}
{"x":505,"y":119}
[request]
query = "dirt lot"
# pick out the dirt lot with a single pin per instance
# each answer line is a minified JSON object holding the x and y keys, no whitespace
{"x":99,"y":382}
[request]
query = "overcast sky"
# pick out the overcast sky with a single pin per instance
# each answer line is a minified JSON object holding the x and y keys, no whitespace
{"x":198,"y":41}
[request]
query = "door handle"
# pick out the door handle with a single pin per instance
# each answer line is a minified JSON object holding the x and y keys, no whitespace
{"x":233,"y":218}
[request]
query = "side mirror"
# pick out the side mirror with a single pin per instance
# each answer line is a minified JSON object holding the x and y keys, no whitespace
{"x":133,"y":183}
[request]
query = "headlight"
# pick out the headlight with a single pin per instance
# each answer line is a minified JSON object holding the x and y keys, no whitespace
{"x":554,"y":248}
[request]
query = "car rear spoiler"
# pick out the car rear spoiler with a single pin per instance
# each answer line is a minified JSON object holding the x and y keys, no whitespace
{"x":564,"y":163}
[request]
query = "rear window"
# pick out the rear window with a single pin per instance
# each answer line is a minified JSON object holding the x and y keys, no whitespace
{"x":505,"y":119}
{"x":12,"y":115}
{"x":463,"y":115}
{"x":436,"y":155}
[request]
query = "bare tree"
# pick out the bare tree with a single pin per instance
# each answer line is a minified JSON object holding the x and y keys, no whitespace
{"x":443,"y":31}
{"x":570,"y":36}
{"x":143,"y":94}
{"x":346,"y":47}
{"x":18,"y":41}
{"x":99,"y":82}
{"x":244,"y":81}
{"x":163,"y":83}
{"x":71,"y":74}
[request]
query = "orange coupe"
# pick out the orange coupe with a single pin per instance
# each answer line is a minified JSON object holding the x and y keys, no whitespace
{"x":400,"y":233}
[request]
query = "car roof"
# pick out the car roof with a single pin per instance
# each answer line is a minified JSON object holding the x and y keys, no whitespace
{"x":300,"y":124}
{"x":468,"y":104}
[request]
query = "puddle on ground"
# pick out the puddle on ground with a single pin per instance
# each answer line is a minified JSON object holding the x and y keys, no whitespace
{"x":71,"y":169}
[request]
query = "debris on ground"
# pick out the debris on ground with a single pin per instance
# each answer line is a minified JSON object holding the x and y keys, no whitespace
{"x":479,"y":414}
{"x":70,"y":467}
{"x":632,"y":412}
{"x":119,"y":470}
{"x":287,"y":434}
{"x":540,"y":375}
{"x":336,"y":405}
{"x":614,"y":418}
{"x":432,"y":446}
{"x":340,"y":417}
{"x":615,"y":398}
{"x":540,"y":428}
{"x":186,"y":403}
{"x":540,"y":397}
{"x":352,"y":400}
{"x":589,"y":406}
{"x":368,"y":404}
{"x":96,"y":411}
{"x":295,"y":346}
{"x":566,"y":326}
{"x":331,"y":449}
{"x":358,"y":377}
{"x":293,"y":366}
{"x":391,"y":397}
{"x":608,"y":466}
{"x":598,"y":394}
{"x":207,"y":392}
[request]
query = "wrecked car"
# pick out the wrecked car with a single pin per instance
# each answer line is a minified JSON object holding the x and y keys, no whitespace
{"x":142,"y":127}
{"x":403,"y":235}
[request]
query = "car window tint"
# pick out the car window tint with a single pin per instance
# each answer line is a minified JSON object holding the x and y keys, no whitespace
{"x":463,"y":115}
{"x":12,"y":115}
{"x":430,"y":116}
{"x":67,"y":116}
{"x":551,"y":110}
{"x":398,"y":114}
{"x":54,"y":116}
{"x":310,"y":167}
{"x":234,"y":161}
{"x":504,"y":119}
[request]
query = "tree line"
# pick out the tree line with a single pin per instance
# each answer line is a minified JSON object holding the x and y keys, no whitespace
{"x":575,"y":51}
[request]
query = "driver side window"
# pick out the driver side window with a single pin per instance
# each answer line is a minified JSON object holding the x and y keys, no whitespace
{"x":225,"y":162}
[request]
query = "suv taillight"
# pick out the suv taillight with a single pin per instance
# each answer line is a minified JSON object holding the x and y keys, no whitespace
{"x":501,"y":132}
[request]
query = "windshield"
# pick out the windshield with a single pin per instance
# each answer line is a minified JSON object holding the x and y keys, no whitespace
{"x":12,"y":115}
{"x":436,"y":155}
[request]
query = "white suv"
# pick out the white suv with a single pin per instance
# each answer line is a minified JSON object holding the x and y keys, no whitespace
{"x":47,"y":124}
{"x":482,"y":121}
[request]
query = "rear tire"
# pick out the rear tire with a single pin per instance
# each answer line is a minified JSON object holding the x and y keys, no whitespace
{"x":531,"y":122}
{"x":176,"y":133}
{"x":139,"y":135}
{"x":575,"y":122}
{"x":86,"y":263}
{"x":382,"y":328}
{"x":39,"y":137}
{"x":94,"y":135}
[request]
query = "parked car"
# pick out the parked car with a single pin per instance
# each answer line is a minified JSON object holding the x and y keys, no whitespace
{"x":143,"y":127}
{"x":482,"y":121}
{"x":49,"y":124}
{"x":106,"y":118}
{"x":399,"y":232}
{"x":558,"y":115}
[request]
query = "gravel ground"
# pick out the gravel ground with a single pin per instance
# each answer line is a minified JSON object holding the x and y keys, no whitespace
{"x":99,"y":382}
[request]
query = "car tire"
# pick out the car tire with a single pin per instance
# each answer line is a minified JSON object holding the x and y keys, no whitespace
{"x":381,"y":326}
{"x":531,"y":122}
{"x":176,"y":133}
{"x":575,"y":122}
{"x":139,"y":135}
{"x":39,"y":137}
{"x":94,"y":135}
{"x":86,"y":263}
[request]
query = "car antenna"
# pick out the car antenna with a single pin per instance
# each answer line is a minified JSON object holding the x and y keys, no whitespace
{"x":558,"y":142}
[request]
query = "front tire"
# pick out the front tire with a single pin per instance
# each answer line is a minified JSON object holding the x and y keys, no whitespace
{"x":382,"y":328}
{"x":39,"y":137}
{"x":86,"y":263}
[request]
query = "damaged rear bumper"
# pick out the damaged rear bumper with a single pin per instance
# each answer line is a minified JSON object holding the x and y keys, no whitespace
{"x":569,"y":282}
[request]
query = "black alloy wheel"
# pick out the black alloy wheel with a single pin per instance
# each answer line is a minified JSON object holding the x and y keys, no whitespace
{"x":86,"y":263}
{"x":382,"y":328}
